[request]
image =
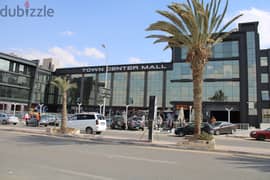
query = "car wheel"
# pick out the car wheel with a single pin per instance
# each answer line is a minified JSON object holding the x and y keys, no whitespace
{"x":261,"y":137}
{"x":181,"y":134}
{"x":89,"y":130}
{"x":217,"y":132}
{"x":98,"y":132}
{"x":14,"y":123}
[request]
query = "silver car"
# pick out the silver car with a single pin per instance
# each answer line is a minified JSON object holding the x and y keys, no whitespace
{"x":8,"y":119}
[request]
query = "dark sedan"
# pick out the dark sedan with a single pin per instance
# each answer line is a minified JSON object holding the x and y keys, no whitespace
{"x":189,"y":129}
{"x":222,"y":127}
{"x":260,"y":134}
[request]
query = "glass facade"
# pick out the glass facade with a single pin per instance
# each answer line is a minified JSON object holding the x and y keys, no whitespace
{"x":74,"y":94}
{"x":4,"y":65}
{"x":14,"y":79}
{"x":251,"y":62}
{"x":221,"y":91}
{"x":263,"y":61}
{"x":89,"y":89}
{"x":154,"y":87}
{"x":222,"y":69}
{"x":101,"y":91}
{"x":40,"y":86}
{"x":226,"y":49}
{"x":137,"y":88}
{"x":265,"y":95}
{"x":120,"y":89}
{"x":264,"y":78}
{"x":14,"y":93}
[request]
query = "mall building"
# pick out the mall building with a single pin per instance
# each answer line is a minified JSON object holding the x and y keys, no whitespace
{"x":22,"y":83}
{"x":236,"y":78}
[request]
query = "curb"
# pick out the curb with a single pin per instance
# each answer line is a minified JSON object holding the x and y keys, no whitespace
{"x":103,"y":140}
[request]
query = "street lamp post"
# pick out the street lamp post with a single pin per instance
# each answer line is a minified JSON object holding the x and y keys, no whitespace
{"x":79,"y":107}
{"x":106,"y":77}
{"x":40,"y":108}
{"x":14,"y":110}
{"x":229,"y":113}
{"x":126,"y":119}
{"x":100,"y":108}
{"x":190,"y":107}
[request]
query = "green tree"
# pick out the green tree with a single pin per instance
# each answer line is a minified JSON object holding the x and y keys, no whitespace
{"x":64,"y":86}
{"x":197,"y":26}
{"x":218,"y":96}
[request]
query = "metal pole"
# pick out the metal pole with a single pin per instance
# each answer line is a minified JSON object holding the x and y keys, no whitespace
{"x":126,"y":117}
{"x":14,"y":110}
{"x":190,"y":107}
{"x":106,"y":77}
{"x":40,"y":108}
{"x":229,"y":113}
{"x":79,"y":107}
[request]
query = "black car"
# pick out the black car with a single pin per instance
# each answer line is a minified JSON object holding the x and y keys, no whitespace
{"x":189,"y":129}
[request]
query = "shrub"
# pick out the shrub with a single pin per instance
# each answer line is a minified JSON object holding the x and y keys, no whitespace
{"x":205,"y":136}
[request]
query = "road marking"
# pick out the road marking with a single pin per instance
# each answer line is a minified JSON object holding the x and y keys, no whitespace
{"x":142,"y":159}
{"x":77,"y":173}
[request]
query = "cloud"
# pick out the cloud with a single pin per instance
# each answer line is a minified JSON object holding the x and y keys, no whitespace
{"x":134,"y":60}
{"x":93,"y":52}
{"x":263,"y":17}
{"x":67,"y":33}
{"x":62,"y":56}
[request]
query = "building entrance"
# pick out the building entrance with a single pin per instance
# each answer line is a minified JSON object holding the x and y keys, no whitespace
{"x":223,"y":116}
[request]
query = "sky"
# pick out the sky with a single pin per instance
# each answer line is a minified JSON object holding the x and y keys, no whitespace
{"x":99,"y":32}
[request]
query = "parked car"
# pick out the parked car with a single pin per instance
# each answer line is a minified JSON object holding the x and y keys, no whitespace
{"x":136,"y":122}
{"x":118,"y":122}
{"x":32,"y":122}
{"x":13,"y":120}
{"x":91,"y":123}
{"x":189,"y":129}
{"x":222,"y":127}
{"x":261,"y":134}
{"x":8,"y":119}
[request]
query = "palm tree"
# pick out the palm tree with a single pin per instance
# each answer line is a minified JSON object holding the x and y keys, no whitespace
{"x":63,"y":85}
{"x":198,"y":27}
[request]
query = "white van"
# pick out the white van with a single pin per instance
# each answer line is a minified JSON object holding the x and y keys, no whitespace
{"x":91,"y":123}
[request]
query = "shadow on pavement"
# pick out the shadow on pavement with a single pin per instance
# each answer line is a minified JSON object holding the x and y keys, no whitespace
{"x":46,"y":140}
{"x":249,"y":162}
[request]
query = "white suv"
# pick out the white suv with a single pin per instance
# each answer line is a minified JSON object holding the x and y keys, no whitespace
{"x":91,"y":123}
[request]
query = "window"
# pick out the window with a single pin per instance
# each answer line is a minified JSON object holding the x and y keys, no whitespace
{"x":4,"y":65}
{"x":265,"y":95}
{"x":264,"y":78}
{"x":264,"y":61}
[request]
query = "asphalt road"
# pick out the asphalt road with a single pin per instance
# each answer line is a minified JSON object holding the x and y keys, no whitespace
{"x":31,"y":157}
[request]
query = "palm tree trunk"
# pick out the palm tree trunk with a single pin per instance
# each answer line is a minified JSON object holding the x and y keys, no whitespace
{"x":64,"y":112}
{"x":197,"y":73}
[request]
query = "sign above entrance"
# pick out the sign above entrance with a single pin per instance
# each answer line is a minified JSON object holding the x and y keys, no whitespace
{"x":116,"y":68}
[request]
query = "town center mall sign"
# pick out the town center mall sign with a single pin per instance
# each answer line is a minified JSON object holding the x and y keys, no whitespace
{"x":116,"y":68}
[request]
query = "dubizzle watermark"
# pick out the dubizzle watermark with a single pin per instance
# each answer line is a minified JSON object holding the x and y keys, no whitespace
{"x":26,"y":11}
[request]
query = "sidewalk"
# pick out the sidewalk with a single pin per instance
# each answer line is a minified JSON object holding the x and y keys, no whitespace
{"x":144,"y":142}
